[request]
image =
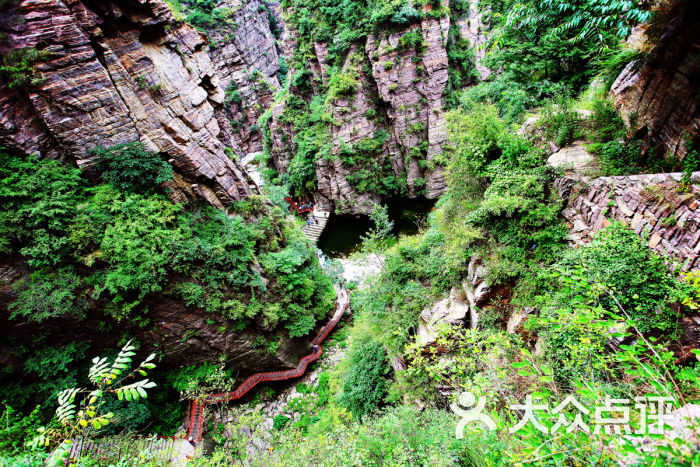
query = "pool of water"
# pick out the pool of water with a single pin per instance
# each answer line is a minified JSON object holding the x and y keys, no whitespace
{"x":409,"y":215}
{"x":343,"y":233}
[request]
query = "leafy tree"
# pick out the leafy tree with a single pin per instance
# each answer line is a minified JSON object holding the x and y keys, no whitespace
{"x":137,"y":236}
{"x":545,"y":48}
{"x":579,"y":20}
{"x":365,"y":385}
{"x":54,"y":367}
{"x":39,"y":199}
{"x":131,"y":167}
{"x":50,"y":294}
{"x":80,"y":410}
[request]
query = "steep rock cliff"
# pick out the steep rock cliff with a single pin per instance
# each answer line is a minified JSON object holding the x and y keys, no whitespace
{"x":386,"y":135}
{"x":181,"y":335}
{"x":245,"y":54}
{"x":126,"y":70}
{"x":659,"y":98}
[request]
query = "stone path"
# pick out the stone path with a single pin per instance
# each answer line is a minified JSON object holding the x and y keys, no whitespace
{"x":314,"y":230}
{"x":655,"y":206}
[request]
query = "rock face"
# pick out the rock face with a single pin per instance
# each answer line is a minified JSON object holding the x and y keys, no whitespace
{"x":245,"y":54}
{"x":658,"y":99}
{"x":124,"y":70}
{"x":452,"y":310}
{"x":182,"y":336}
{"x":401,"y":76}
{"x":463,"y":305}
{"x":575,"y":157}
{"x":472,"y":28}
{"x":650,"y":204}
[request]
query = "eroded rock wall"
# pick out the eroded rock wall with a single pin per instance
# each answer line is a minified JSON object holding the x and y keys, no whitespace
{"x":413,"y":87}
{"x":472,"y":28}
{"x":399,"y":92}
{"x":181,"y":335}
{"x":653,"y":205}
{"x":125,"y":70}
{"x":244,"y":51}
{"x":658,"y":99}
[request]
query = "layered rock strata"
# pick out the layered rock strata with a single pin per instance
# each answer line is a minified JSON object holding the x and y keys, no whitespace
{"x":244,"y":52}
{"x":657,"y":206}
{"x":401,"y":77}
{"x":657,"y":98}
{"x":125,"y":70}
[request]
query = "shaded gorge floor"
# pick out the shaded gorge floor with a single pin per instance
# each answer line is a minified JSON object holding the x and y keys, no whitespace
{"x":343,"y":233}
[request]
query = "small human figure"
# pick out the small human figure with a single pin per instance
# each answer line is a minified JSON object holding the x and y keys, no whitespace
{"x":191,"y":440}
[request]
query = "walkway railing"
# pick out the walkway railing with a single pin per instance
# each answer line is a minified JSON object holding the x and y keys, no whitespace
{"x":299,"y":209}
{"x":195,"y":425}
{"x":195,"y":417}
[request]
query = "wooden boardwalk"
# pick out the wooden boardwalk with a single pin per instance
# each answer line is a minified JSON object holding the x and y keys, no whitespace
{"x":195,"y":425}
{"x":177,"y":449}
{"x":151,"y":450}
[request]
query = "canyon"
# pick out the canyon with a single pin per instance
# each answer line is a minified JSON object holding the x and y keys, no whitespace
{"x":350,"y":123}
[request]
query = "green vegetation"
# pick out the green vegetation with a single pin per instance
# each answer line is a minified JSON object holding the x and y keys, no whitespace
{"x":203,"y":14}
{"x":632,"y":276}
{"x":233,"y":96}
{"x":364,"y":384}
{"x":599,"y":322}
{"x":108,"y":252}
{"x":545,"y":49}
{"x":132,"y":239}
{"x":18,"y":67}
{"x":131,"y":167}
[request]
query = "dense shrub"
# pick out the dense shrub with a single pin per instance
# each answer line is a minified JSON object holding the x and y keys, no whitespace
{"x":39,"y":201}
{"x":606,"y":124}
{"x":15,"y":430}
{"x":365,"y":384}
{"x":402,"y":435}
{"x":498,"y":192}
{"x":560,"y":122}
{"x":637,"y":277}
{"x":618,"y":157}
{"x":50,"y":294}
{"x":18,"y":66}
{"x":130,"y":166}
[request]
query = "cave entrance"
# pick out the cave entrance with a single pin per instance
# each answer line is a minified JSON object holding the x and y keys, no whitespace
{"x":409,"y":214}
{"x":343,"y":233}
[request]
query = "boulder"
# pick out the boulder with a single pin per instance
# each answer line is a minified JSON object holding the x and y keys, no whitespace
{"x":452,"y":310}
{"x":575,"y":157}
